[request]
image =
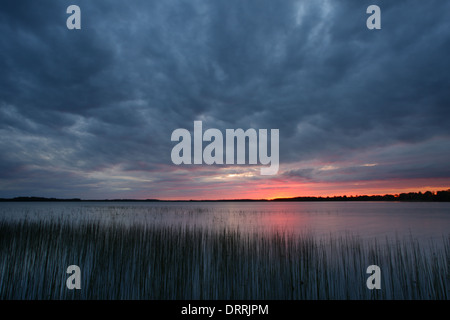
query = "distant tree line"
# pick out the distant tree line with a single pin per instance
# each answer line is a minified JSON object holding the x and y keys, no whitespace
{"x":20,"y":199}
{"x":411,"y":196}
{"x":37,"y":199}
{"x":443,"y":195}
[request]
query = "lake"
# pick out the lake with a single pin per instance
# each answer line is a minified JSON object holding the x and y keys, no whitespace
{"x":224,"y":250}
{"x":423,"y":221}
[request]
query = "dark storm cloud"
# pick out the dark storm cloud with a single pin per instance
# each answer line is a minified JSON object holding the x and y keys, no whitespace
{"x":77,"y":103}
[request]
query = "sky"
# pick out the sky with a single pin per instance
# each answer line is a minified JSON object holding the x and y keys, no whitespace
{"x":89,"y":113}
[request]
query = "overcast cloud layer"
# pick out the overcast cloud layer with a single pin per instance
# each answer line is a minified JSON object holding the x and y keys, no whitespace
{"x":89,"y":113}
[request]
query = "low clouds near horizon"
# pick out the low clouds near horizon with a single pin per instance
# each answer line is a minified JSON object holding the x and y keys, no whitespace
{"x":89,"y":113}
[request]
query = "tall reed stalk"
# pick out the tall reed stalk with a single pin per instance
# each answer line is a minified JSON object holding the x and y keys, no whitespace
{"x":163,"y":262}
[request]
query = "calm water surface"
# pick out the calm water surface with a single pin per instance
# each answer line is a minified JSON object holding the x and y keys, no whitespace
{"x":424,"y":221}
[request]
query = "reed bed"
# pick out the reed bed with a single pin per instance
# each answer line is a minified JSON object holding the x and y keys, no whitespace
{"x":174,"y":262}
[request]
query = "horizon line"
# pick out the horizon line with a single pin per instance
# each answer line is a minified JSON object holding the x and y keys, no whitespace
{"x":390,"y":197}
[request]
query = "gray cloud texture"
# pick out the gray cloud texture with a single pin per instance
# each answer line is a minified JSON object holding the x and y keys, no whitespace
{"x":89,"y":113}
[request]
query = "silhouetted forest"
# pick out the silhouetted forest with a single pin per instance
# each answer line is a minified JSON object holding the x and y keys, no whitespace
{"x":411,"y":196}
{"x":21,"y":199}
{"x":443,"y":195}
